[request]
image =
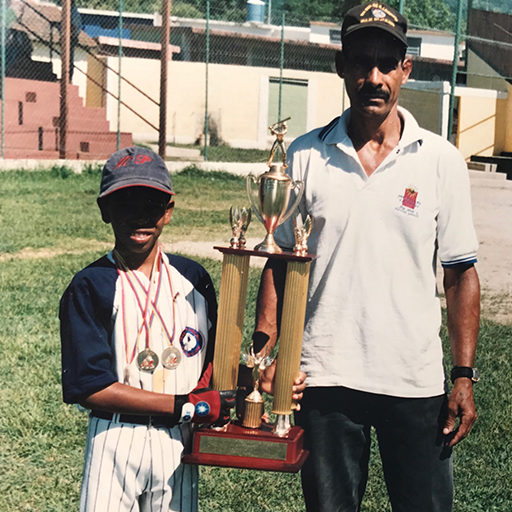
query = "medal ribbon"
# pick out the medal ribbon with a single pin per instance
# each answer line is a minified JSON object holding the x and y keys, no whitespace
{"x":132,"y":278}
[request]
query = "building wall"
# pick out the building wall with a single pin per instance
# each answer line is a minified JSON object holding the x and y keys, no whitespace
{"x":42,"y":53}
{"x":477,"y":126}
{"x":481,"y":75}
{"x":237,"y":100}
{"x":425,"y":105}
{"x":238,"y":104}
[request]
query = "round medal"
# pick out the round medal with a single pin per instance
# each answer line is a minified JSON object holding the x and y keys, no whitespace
{"x":147,"y":361}
{"x":171,"y":358}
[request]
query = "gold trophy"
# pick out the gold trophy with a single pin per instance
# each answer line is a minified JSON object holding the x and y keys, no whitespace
{"x":248,"y":443}
{"x":239,"y":218}
{"x":274,"y":187}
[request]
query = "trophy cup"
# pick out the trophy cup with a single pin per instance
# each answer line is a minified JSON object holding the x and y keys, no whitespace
{"x":249,"y":443}
{"x":274,"y":187}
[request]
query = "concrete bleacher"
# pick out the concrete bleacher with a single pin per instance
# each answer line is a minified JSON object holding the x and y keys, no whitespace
{"x":503,"y":163}
{"x":32,"y":110}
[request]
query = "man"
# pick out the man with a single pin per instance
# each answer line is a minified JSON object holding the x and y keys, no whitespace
{"x":387,"y":198}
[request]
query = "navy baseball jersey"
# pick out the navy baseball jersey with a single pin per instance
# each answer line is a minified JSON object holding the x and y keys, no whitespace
{"x":155,"y":334}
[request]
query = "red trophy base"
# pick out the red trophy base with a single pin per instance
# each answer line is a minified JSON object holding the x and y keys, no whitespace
{"x":237,"y":447}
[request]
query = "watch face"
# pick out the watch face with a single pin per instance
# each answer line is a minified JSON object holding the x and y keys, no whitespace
{"x":476,"y":375}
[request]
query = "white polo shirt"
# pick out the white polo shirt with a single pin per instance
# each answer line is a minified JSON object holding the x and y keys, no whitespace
{"x":373,"y":314}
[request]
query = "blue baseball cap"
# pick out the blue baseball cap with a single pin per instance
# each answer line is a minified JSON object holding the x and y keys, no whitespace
{"x":135,"y":167}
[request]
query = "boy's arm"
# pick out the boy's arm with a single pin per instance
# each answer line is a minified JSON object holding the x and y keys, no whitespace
{"x":207,"y":405}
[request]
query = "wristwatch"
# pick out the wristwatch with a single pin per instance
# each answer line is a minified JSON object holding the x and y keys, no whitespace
{"x":464,"y":371}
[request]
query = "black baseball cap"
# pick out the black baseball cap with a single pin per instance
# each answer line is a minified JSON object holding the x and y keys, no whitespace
{"x":375,"y":15}
{"x":135,"y":167}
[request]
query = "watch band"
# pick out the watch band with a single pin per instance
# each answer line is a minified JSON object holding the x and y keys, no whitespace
{"x":464,"y":371}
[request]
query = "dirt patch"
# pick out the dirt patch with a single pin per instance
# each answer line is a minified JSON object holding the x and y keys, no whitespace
{"x":29,"y":253}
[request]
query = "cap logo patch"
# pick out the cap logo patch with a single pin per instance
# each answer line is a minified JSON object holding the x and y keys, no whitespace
{"x":138,"y":160}
{"x":378,"y":13}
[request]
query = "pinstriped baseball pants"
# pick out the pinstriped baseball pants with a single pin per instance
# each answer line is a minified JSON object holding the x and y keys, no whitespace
{"x":136,"y":468}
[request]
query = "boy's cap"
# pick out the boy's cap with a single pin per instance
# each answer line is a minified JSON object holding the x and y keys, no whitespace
{"x":375,"y":15}
{"x":135,"y":167}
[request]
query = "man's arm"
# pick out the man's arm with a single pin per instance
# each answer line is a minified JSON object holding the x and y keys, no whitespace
{"x":268,"y":321}
{"x":462,"y":289}
{"x":269,"y":304}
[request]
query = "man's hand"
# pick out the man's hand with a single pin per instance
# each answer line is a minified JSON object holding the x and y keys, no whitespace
{"x":267,"y":383}
{"x":460,"y":405}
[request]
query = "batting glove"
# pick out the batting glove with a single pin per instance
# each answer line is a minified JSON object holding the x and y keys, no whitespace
{"x":205,"y":405}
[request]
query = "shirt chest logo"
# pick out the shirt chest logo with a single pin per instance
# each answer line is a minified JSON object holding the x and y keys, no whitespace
{"x":191,"y":341}
{"x":408,"y":202}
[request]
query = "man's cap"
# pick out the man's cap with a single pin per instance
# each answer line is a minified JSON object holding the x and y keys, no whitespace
{"x":135,"y":167}
{"x":375,"y":15}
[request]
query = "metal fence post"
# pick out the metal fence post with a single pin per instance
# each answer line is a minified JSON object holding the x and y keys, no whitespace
{"x":401,"y":5}
{"x":2,"y":85}
{"x":164,"y":70}
{"x":454,"y":69}
{"x":120,"y":57}
{"x":207,"y":59}
{"x":64,"y":78}
{"x":281,"y":66}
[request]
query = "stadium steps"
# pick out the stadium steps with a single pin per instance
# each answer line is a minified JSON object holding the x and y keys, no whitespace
{"x":32,"y":110}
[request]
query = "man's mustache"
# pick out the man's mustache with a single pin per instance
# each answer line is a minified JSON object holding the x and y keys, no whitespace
{"x":373,"y":92}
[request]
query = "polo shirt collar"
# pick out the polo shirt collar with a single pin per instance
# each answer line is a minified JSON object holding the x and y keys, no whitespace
{"x":336,"y":131}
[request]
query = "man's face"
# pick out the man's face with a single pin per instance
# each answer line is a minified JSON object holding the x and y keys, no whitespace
{"x":374,"y":70}
{"x":137,"y":215}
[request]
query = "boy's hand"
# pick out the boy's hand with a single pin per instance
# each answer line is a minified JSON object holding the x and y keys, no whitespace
{"x":210,"y":406}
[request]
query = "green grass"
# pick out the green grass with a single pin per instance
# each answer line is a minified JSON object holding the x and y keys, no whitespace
{"x":225,"y":153}
{"x":57,"y":209}
{"x":42,"y":440}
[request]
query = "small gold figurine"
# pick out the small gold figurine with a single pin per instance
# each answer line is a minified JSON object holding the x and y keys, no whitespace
{"x":254,"y":403}
{"x":278,"y":129}
{"x":239,"y":219}
{"x":302,"y":231}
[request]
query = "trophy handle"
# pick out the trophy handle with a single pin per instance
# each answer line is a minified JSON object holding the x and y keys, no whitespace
{"x":296,"y":184}
{"x":251,"y":177}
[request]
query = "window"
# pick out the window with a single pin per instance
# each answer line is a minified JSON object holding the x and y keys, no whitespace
{"x":335,"y":36}
{"x":414,"y":45}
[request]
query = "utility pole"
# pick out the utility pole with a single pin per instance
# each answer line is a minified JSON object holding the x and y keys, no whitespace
{"x":164,"y":66}
{"x":65,"y":28}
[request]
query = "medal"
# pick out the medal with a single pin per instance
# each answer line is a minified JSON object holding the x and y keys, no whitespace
{"x":147,"y":361}
{"x":171,"y":358}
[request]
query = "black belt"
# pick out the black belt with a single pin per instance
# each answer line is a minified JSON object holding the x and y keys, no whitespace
{"x":150,"y":421}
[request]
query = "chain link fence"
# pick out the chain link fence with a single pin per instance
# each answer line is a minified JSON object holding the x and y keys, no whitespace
{"x":236,"y":67}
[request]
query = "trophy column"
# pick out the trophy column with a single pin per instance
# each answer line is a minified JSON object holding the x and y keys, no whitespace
{"x":290,"y":340}
{"x":233,"y":291}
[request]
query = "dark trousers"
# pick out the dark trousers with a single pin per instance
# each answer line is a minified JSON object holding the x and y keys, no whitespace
{"x":417,"y":467}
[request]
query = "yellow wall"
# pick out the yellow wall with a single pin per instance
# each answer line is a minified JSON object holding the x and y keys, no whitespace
{"x":94,"y":93}
{"x":482,"y":126}
{"x":236,"y":99}
{"x":238,"y":103}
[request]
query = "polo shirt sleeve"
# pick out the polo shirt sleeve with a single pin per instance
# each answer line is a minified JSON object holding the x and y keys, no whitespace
{"x":456,"y":237}
{"x":85,"y":319}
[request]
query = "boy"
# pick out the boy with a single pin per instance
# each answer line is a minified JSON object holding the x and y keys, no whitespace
{"x":137,"y":332}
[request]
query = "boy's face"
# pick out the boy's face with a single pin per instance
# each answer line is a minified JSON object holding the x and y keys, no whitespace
{"x":137,"y":215}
